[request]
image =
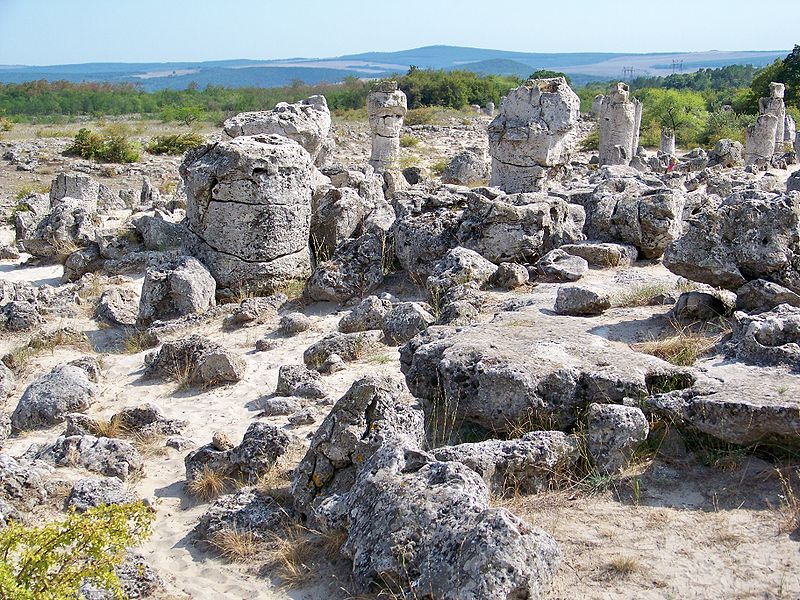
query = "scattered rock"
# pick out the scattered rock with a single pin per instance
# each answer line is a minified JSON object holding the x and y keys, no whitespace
{"x":368,"y":314}
{"x":759,"y":296}
{"x":581,"y":300}
{"x":405,"y":320}
{"x":613,"y":433}
{"x":90,"y":492}
{"x":47,"y":401}
{"x":297,"y":380}
{"x":294,"y":323}
{"x":197,"y":361}
{"x":348,"y":346}
{"x":557,"y":266}
{"x":118,"y":306}
{"x":178,"y":287}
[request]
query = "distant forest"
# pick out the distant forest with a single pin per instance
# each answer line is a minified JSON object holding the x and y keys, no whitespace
{"x":701,"y":107}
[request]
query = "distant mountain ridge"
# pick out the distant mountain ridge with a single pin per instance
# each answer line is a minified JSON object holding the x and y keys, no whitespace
{"x":581,"y":66}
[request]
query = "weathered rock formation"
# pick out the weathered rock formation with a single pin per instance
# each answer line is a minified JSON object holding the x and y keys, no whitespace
{"x":534,"y":131}
{"x":620,"y":118}
{"x":386,"y":107}
{"x":249,"y":210}
{"x":307,"y":122}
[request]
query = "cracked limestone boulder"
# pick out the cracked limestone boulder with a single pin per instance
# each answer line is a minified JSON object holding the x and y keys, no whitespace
{"x":635,"y":211}
{"x":426,"y":525}
{"x":375,"y":409}
{"x":176,"y":287}
{"x":526,"y":465}
{"x":47,"y":401}
{"x":355,"y":269}
{"x":535,"y":130}
{"x":71,"y":224}
{"x":197,"y":361}
{"x":748,"y":235}
{"x":307,"y":122}
{"x":249,"y":211}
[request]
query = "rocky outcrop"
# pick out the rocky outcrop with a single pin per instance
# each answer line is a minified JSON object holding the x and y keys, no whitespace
{"x":195,"y":360}
{"x":426,"y":525}
{"x":249,"y":210}
{"x":386,"y":108}
{"x":307,"y":122}
{"x":174,"y":288}
{"x":374,"y":410}
{"x":107,"y":456}
{"x":619,"y":121}
{"x":749,"y":235}
{"x":522,"y":367}
{"x":535,"y":130}
{"x":47,"y":401}
{"x":769,"y":338}
{"x":468,"y":168}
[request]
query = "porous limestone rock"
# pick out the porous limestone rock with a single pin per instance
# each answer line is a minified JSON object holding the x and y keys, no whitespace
{"x":728,"y":153}
{"x":71,"y":223}
{"x":386,"y":108}
{"x":118,"y":306}
{"x":603,"y":254}
{"x":668,"y":141}
{"x":108,"y":456}
{"x":509,"y":276}
{"x":298,"y":380}
{"x":535,"y":130}
{"x":524,"y":465}
{"x":177,"y":287}
{"x":197,"y":360}
{"x":558,"y":265}
{"x":374,"y":410}
{"x":47,"y":401}
{"x":261,"y":447}
{"x":347,"y":346}
{"x":469,"y":168}
{"x":368,"y":314}
{"x":248,"y":510}
{"x":760,"y":140}
{"x":427,"y":525}
{"x":524,"y":364}
{"x":770,"y":338}
{"x":90,"y":492}
{"x":759,"y":296}
{"x":459,"y":266}
{"x":749,"y":235}
{"x":613,"y":433}
{"x":581,"y":300}
{"x":307,"y":122}
{"x":774,"y":105}
{"x":405,"y":320}
{"x":619,"y":122}
{"x":249,"y":210}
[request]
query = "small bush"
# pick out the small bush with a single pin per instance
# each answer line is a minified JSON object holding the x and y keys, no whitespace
{"x":31,"y":188}
{"x":112,"y":145}
{"x":421,"y":116}
{"x":208,"y":484}
{"x":438,"y":167}
{"x":177,"y":143}
{"x":6,"y":124}
{"x":591,"y":143}
{"x":52,"y":561}
{"x":408,"y":141}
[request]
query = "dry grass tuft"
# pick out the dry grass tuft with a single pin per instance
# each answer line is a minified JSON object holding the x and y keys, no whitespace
{"x":208,"y":484}
{"x":291,"y":555}
{"x":682,"y":348}
{"x":640,"y":295}
{"x":623,"y":566}
{"x":276,"y":483}
{"x":137,"y":341}
{"x":235,"y":545}
{"x":110,"y":428}
{"x":789,"y":508}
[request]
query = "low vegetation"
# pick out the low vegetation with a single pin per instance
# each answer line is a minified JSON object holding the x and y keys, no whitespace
{"x":112,"y":144}
{"x":176,"y":143}
{"x":51,"y":561}
{"x":208,"y":484}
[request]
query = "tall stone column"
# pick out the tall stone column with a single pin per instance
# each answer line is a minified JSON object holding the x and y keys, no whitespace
{"x":789,"y":129}
{"x":760,"y":139}
{"x":535,"y":130}
{"x":774,"y":106}
{"x":620,"y":119}
{"x":668,"y":141}
{"x":386,"y":107}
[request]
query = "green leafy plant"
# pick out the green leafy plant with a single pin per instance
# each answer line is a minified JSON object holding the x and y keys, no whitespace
{"x":111,"y":145}
{"x":51,"y":561}
{"x":177,"y":143}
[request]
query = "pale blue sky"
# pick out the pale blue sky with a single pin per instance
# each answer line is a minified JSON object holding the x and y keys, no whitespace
{"x":72,"y":31}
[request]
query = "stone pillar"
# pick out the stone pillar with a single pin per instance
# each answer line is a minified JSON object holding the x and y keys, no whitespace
{"x":797,"y":145}
{"x":789,"y":129}
{"x":774,"y":106}
{"x":668,"y":141}
{"x":386,"y":107}
{"x":597,"y":106}
{"x":489,"y":109}
{"x":248,"y":211}
{"x":620,"y":119}
{"x":760,"y":139}
{"x":535,"y":130}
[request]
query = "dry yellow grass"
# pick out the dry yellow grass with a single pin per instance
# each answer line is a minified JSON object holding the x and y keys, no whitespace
{"x":682,"y":348}
{"x":208,"y":484}
{"x":236,"y":545}
{"x":622,"y":565}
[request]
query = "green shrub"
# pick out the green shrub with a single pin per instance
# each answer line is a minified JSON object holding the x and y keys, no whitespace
{"x":591,"y":143}
{"x":111,"y":145}
{"x":408,"y":141}
{"x":51,"y":561}
{"x":177,"y":143}
{"x":420,"y":116}
{"x":723,"y":124}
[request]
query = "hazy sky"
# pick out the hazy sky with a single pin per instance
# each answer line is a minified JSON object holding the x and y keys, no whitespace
{"x":72,"y":31}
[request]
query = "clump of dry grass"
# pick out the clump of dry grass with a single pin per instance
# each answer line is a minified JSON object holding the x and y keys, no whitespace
{"x":137,"y":340}
{"x":640,"y":295}
{"x":683,"y":347}
{"x":47,"y":342}
{"x":623,"y":566}
{"x":789,"y":507}
{"x":275,"y":483}
{"x":208,"y":483}
{"x":298,"y":554}
{"x":110,"y":428}
{"x":235,"y":545}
